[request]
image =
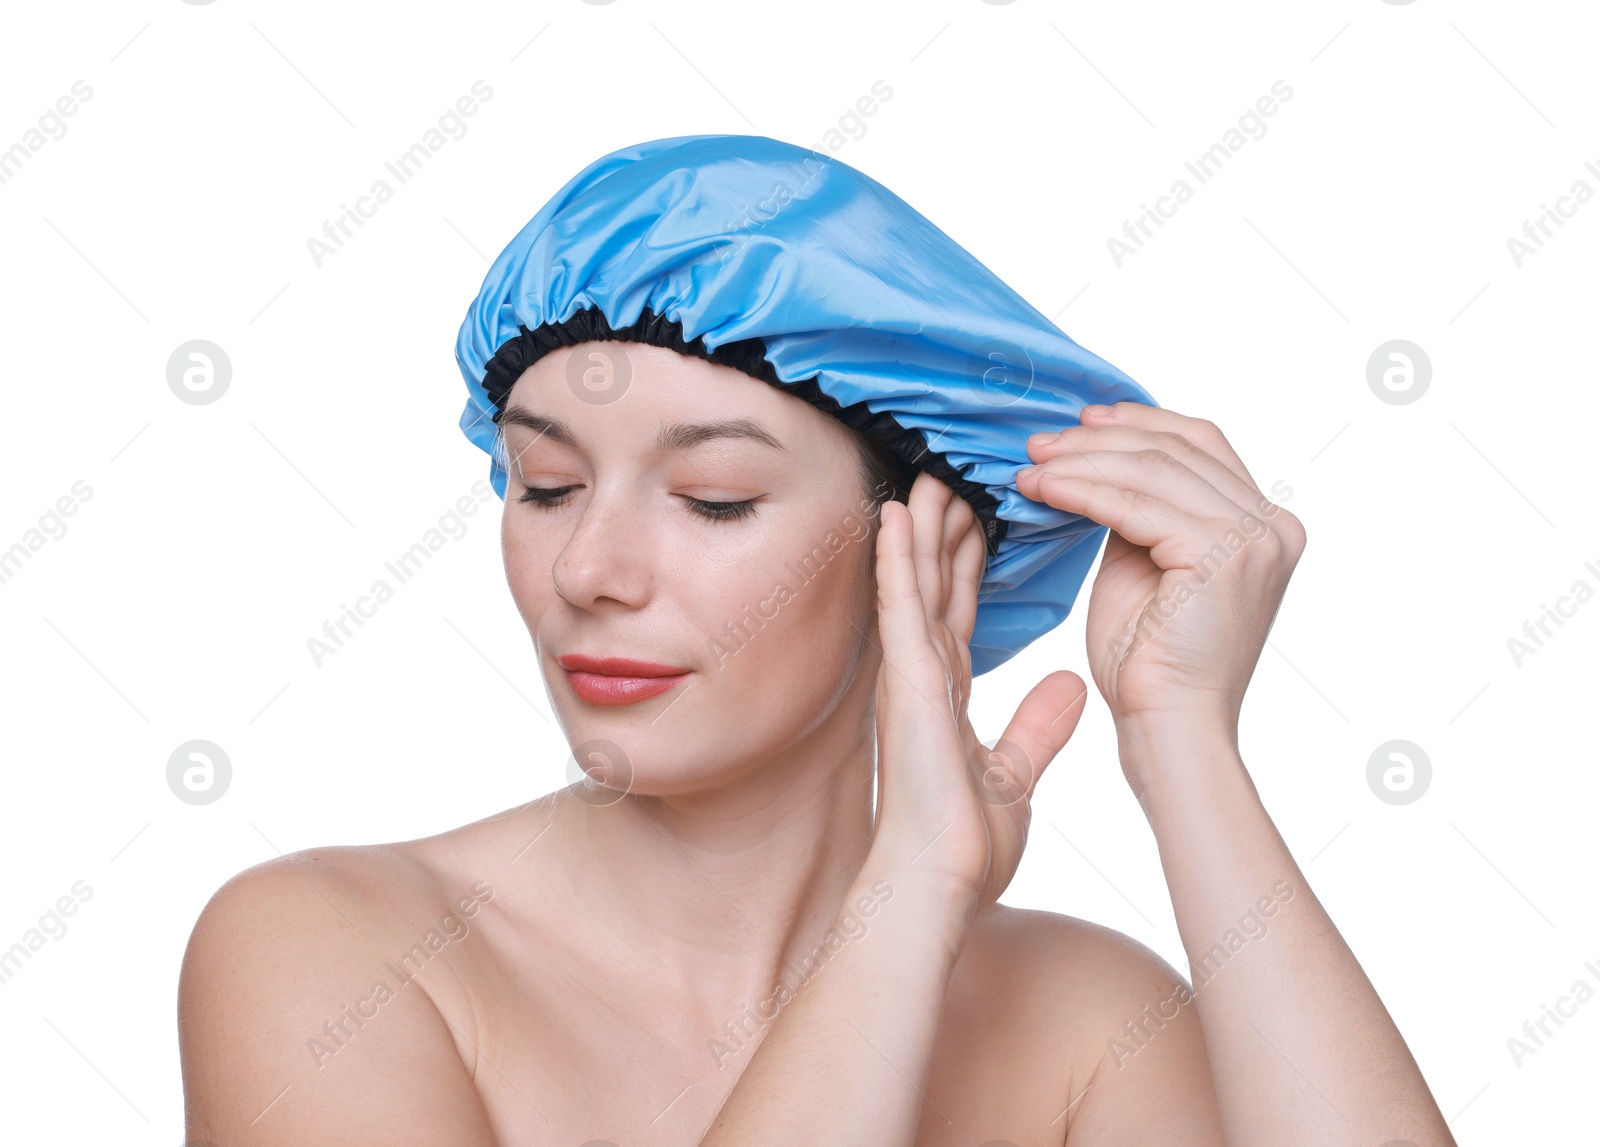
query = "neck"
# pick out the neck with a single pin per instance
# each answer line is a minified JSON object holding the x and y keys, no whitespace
{"x":725,"y":891}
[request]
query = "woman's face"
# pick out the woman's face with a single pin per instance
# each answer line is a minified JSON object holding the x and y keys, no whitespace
{"x":667,"y":509}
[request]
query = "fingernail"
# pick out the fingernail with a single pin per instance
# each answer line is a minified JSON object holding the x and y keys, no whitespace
{"x":1042,"y":437}
{"x":1096,"y":411}
{"x":1026,"y":470}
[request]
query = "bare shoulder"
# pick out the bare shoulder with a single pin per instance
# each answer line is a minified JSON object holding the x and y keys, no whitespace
{"x":1091,"y":980}
{"x":1120,"y":1018}
{"x":1082,"y":965}
{"x":293,"y":1021}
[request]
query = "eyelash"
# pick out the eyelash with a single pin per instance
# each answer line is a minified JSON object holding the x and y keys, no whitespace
{"x":548,"y":498}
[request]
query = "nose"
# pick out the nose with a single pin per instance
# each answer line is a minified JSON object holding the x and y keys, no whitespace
{"x":604,"y":558}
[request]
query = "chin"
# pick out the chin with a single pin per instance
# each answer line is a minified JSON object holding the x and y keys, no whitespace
{"x":630,"y":757}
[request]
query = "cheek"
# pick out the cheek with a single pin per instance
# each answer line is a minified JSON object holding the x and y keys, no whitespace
{"x":787,"y":604}
{"x":792,"y":614}
{"x":516,"y":550}
{"x":528,"y":556}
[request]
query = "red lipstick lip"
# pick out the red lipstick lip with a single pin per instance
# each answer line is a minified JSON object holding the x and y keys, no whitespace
{"x":617,"y":680}
{"x":616,"y":666}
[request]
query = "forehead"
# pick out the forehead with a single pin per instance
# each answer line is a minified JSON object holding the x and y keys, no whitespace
{"x":626,"y":387}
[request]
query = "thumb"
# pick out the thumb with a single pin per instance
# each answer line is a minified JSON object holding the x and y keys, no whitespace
{"x":1041,"y":727}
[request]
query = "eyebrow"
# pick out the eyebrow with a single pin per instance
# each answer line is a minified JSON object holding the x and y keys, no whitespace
{"x":673,"y":436}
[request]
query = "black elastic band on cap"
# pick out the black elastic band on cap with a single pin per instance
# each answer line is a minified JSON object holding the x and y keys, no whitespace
{"x":589,"y":324}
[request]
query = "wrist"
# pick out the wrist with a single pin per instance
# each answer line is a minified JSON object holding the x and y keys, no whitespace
{"x":1175,"y":757}
{"x":912,"y":892}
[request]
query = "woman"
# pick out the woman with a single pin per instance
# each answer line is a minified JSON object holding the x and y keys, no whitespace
{"x":723,"y":934}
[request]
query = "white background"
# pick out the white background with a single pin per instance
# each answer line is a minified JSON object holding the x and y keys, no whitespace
{"x":219,"y":537}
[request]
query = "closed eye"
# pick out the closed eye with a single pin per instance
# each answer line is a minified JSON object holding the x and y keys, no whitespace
{"x":551,"y":497}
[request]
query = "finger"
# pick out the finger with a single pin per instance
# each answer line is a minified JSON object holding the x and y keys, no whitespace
{"x":902,"y":620}
{"x":959,"y":518}
{"x":959,"y":523}
{"x":949,"y":538}
{"x":966,"y":578}
{"x":1200,"y":431}
{"x":927,"y":502}
{"x":1150,"y":472}
{"x":1130,"y":439}
{"x":1041,"y":726}
{"x":1175,"y":539}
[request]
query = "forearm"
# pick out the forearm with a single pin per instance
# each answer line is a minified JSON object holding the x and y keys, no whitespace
{"x":846,"y":1060}
{"x":1301,"y":1048}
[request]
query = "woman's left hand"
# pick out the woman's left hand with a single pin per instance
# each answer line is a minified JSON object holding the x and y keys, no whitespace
{"x":1194,"y":570}
{"x":946,"y":802}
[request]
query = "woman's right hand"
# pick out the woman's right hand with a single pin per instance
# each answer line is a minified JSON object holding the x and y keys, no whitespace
{"x":949,"y":807}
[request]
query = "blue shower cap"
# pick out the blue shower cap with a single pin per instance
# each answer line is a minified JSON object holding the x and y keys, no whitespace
{"x":801,"y":271}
